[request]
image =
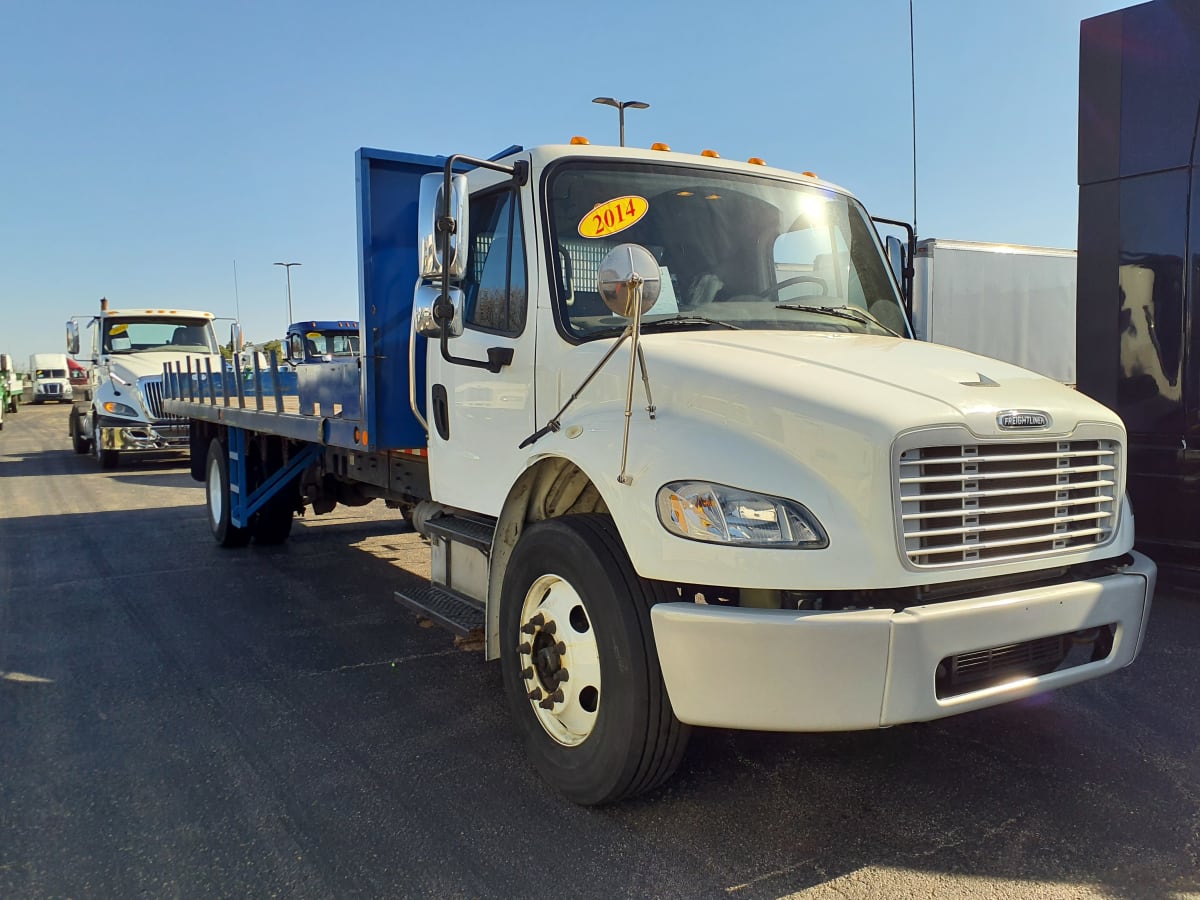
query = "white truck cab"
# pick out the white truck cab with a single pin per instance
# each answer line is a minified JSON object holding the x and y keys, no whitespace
{"x":129,"y":347}
{"x":51,"y":378}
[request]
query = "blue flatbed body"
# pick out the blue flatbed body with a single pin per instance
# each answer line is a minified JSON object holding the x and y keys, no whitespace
{"x":358,"y":404}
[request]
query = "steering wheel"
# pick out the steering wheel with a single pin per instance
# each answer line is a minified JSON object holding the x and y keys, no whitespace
{"x":801,"y":279}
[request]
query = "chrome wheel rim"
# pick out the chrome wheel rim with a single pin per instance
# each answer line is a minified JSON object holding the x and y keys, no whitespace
{"x":559,"y":660}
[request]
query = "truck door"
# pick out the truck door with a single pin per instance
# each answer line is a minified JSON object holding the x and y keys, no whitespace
{"x":476,"y":417}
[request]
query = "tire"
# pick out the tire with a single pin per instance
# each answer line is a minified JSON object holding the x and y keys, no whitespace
{"x":217,"y":499}
{"x":108,"y":459}
{"x":273,"y":523}
{"x":611,"y":733}
{"x":79,"y":443}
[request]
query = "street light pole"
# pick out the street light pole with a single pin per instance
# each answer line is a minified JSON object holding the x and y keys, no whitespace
{"x":620,"y":106}
{"x":287,"y":267}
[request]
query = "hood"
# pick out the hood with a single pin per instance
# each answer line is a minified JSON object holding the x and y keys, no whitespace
{"x":892,"y":382}
{"x":132,"y":366}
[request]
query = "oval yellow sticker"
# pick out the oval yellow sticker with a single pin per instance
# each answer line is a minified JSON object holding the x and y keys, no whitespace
{"x":613,"y":216}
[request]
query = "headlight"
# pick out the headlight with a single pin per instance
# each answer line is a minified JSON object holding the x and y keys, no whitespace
{"x":703,"y":511}
{"x":119,"y":409}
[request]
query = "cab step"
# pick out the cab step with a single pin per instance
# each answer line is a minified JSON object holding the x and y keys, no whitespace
{"x":461,"y":530}
{"x":453,"y":611}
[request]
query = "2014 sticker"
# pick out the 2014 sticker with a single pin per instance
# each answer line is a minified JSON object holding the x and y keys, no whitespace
{"x":613,"y":216}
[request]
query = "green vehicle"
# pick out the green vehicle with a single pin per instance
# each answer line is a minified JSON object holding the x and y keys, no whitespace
{"x":10,"y":387}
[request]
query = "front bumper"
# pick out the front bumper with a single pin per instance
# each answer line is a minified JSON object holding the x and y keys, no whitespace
{"x":788,"y":670}
{"x":140,"y":436}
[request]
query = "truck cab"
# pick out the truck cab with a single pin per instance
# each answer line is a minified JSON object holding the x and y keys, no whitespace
{"x":51,"y":378}
{"x":321,"y":342}
{"x":122,"y":411}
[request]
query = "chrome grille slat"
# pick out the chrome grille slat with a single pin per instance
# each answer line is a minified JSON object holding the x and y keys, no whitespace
{"x":1017,"y":457}
{"x":963,"y":504}
{"x":1008,"y":526}
{"x":1024,"y":507}
{"x":996,"y":476}
{"x":1008,"y":492}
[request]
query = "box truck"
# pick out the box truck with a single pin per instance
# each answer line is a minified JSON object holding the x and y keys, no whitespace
{"x":1006,"y":301}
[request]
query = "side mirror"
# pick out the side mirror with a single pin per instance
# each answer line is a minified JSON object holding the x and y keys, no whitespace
{"x":625,"y":268}
{"x":430,"y":209}
{"x":423,"y":321}
{"x":73,"y":338}
{"x":236,"y":341}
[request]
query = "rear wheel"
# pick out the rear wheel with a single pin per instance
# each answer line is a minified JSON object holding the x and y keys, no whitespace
{"x":579,"y":663}
{"x":217,"y":494}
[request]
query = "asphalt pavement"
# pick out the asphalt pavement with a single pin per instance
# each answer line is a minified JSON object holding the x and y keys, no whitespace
{"x":178,"y":720}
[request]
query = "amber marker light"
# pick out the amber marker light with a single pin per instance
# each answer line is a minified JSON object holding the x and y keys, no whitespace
{"x":810,"y":174}
{"x":659,"y":145}
{"x":711,"y":154}
{"x":756,"y":161}
{"x":580,"y":141}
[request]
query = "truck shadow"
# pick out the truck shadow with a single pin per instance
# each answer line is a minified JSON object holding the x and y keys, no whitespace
{"x":294,"y":667}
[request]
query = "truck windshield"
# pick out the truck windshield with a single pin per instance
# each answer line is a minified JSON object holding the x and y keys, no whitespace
{"x":158,"y":333}
{"x":332,"y":343}
{"x":733,"y":250}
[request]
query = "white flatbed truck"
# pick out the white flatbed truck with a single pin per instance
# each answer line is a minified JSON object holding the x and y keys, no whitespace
{"x":681,"y":462}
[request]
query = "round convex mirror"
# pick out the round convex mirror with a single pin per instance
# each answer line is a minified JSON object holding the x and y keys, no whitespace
{"x":618,"y":269}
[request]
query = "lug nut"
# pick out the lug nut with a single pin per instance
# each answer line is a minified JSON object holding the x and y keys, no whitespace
{"x":527,"y":672}
{"x":550,"y":627}
{"x":548,"y":703}
{"x":556,"y":697}
{"x":536,"y":694}
{"x":524,"y":648}
{"x":561,"y":675}
{"x":560,"y":648}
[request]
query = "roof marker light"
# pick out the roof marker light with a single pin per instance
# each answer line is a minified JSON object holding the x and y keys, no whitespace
{"x":580,"y":140}
{"x":684,"y":194}
{"x":659,"y":145}
{"x":757,"y":161}
{"x":811,"y":174}
{"x":711,"y":154}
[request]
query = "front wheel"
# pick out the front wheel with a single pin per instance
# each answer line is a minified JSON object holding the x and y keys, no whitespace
{"x":79,"y":442}
{"x":579,"y":663}
{"x":108,"y":459}
{"x":217,"y":494}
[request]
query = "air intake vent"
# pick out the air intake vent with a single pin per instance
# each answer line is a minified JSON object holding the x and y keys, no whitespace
{"x":152,"y":390}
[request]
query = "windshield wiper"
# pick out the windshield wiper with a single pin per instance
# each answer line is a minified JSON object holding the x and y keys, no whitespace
{"x":853,"y":313}
{"x":680,"y":321}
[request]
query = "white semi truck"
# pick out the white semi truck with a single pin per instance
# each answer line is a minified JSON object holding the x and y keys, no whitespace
{"x":122,"y":411}
{"x":51,"y":378}
{"x":681,"y":462}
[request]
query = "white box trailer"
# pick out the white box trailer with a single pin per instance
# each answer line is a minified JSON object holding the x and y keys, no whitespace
{"x":1007,"y":301}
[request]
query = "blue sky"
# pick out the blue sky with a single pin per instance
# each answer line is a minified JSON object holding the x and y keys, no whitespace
{"x":147,"y":146}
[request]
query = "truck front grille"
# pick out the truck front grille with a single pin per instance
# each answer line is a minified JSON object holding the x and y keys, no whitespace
{"x":971,"y":503}
{"x":152,"y":390}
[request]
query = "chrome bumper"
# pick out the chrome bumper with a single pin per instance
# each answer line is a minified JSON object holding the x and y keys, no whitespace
{"x":137,"y":436}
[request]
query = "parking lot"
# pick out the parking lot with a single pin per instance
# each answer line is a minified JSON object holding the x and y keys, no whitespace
{"x":181,"y":720}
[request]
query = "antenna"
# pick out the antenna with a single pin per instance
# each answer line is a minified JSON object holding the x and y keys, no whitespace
{"x":912,"y":71}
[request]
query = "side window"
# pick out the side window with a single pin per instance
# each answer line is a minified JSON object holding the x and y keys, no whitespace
{"x":495,"y":285}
